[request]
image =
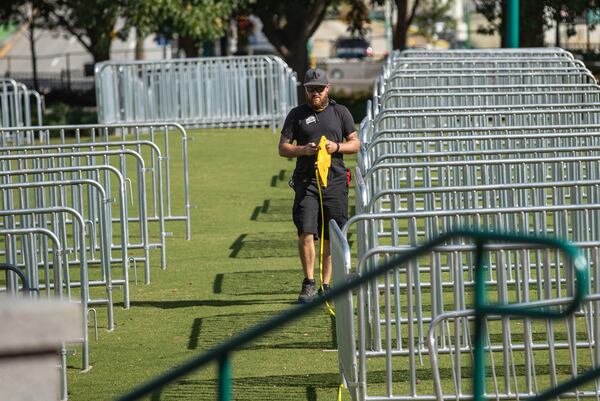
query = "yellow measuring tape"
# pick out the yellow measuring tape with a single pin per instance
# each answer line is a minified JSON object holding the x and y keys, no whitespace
{"x":321,"y":172}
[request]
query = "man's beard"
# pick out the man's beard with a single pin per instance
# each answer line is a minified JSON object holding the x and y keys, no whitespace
{"x":320,"y":105}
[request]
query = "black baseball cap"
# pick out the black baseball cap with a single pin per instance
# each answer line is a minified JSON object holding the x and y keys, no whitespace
{"x":315,"y":77}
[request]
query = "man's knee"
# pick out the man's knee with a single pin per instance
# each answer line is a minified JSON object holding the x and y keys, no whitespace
{"x":306,"y":238}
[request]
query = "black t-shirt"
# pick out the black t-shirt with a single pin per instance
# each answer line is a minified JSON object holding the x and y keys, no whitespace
{"x":304,"y":125}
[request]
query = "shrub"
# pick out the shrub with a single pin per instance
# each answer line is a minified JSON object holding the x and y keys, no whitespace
{"x":356,"y":102}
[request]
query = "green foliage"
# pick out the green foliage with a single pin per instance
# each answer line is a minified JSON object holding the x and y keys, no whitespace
{"x":539,"y":15}
{"x":92,"y":22}
{"x":358,"y":17}
{"x":430,"y":12}
{"x":62,"y":114}
{"x":200,"y":20}
{"x":355,"y":101}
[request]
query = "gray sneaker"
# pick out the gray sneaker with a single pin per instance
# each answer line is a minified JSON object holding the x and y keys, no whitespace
{"x":309,"y":291}
{"x":324,"y":289}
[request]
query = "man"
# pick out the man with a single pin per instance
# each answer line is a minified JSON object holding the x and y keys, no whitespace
{"x":305,"y":125}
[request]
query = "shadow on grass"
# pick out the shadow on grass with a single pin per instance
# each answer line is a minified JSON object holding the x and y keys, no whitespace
{"x":273,"y":210}
{"x":199,"y":302}
{"x":280,"y":388}
{"x":264,"y":245}
{"x":263,"y":282}
{"x":317,"y":331}
{"x":276,"y":179}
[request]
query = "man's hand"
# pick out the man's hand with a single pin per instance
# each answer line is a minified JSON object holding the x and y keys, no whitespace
{"x":331,"y":147}
{"x":310,"y":149}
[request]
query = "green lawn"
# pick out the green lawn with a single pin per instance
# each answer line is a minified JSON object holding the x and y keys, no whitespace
{"x":239,"y":268}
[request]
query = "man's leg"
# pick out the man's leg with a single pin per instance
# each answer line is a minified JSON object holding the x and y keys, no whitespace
{"x":306,"y":249}
{"x":326,"y":262}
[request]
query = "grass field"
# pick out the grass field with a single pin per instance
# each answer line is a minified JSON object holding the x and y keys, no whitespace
{"x":239,"y":268}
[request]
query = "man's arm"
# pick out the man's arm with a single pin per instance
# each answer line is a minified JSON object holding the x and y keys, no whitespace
{"x":288,"y":149}
{"x":352,"y":145}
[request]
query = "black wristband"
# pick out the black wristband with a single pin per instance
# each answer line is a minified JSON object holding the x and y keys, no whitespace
{"x":338,"y":147}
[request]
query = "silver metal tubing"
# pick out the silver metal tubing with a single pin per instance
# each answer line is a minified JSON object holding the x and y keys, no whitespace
{"x":84,"y":296}
{"x":104,"y":243}
{"x":141,"y":194}
{"x":102,"y":133}
{"x":241,"y":91}
{"x":104,"y":221}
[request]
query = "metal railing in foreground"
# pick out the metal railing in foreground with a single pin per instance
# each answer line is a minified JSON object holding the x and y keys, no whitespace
{"x":342,"y":293}
{"x":525,"y":310}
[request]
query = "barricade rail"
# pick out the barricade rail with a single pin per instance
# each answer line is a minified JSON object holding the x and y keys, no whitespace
{"x":58,"y":203}
{"x":15,"y":104}
{"x":552,"y":52}
{"x":400,"y":99}
{"x":472,"y":144}
{"x":248,"y":91}
{"x":342,"y":294}
{"x":122,"y":135}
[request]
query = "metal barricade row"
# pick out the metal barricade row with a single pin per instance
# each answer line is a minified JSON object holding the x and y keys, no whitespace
{"x":122,"y":135}
{"x":247,"y":91}
{"x":15,"y":104}
{"x":473,"y":144}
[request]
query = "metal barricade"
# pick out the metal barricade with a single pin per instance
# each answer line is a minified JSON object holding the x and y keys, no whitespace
{"x":15,"y":104}
{"x":425,"y":79}
{"x":393,"y":312}
{"x":435,"y":63}
{"x":50,"y":189}
{"x":85,"y":161}
{"x":426,"y":100}
{"x":461,"y":139}
{"x":57,"y":253}
{"x":550,"y":52}
{"x":247,"y":91}
{"x":573,"y":115}
{"x":123,"y":136}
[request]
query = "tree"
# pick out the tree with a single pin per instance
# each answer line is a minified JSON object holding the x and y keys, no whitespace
{"x":535,"y":17}
{"x":24,"y":13}
{"x":403,"y":21}
{"x":288,"y":25}
{"x":91,"y":22}
{"x":432,"y":12}
{"x":192,"y":22}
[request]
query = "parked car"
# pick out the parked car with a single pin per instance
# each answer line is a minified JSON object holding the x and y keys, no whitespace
{"x":348,"y":47}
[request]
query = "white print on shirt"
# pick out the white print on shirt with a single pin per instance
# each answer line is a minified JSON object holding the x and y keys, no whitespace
{"x":310,"y":119}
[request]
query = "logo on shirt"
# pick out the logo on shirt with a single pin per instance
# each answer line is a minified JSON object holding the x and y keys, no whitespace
{"x":310,"y":120}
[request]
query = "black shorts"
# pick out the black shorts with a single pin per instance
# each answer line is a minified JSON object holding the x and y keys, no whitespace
{"x":307,"y":210}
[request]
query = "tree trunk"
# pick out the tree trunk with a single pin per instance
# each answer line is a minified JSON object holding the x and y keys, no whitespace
{"x":557,"y":32}
{"x":100,"y":55}
{"x":139,"y":45}
{"x":399,"y":40}
{"x":99,"y":47}
{"x":531,"y":23}
{"x":288,"y":26}
{"x":297,"y":59}
{"x":33,"y":53}
{"x":189,"y":46}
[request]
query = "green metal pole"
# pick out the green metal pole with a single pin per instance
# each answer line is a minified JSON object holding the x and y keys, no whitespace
{"x":480,"y":335}
{"x":225,"y":378}
{"x":512,"y":24}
